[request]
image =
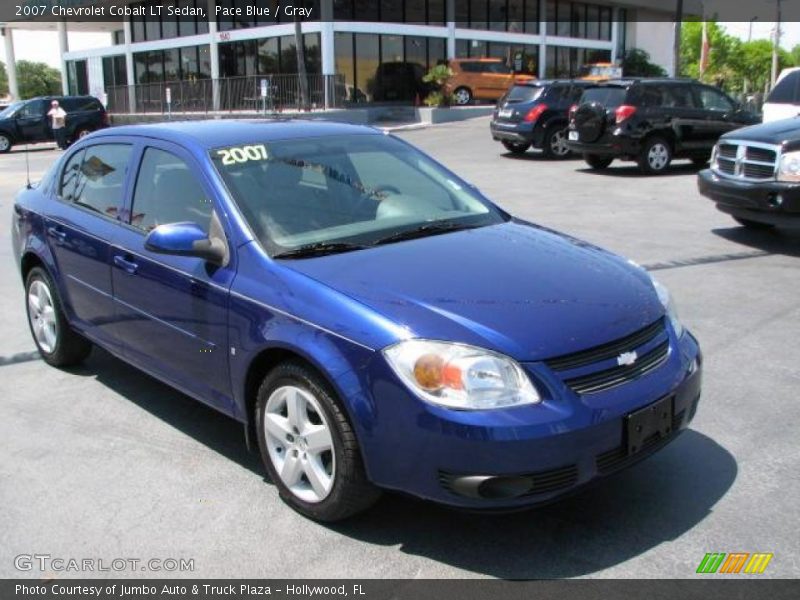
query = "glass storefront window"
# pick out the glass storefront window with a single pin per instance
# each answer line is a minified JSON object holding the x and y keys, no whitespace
{"x":172,"y":65}
{"x":367,"y":53}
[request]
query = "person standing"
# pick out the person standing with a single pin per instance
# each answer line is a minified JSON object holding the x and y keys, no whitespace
{"x":58,"y":121}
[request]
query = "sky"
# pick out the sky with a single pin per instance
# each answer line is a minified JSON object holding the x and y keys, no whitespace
{"x":42,"y":46}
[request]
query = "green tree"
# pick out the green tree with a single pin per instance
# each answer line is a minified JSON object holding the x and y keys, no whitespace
{"x":637,"y":64}
{"x":794,"y":56}
{"x":3,"y":80}
{"x":37,"y":79}
{"x":723,"y":50}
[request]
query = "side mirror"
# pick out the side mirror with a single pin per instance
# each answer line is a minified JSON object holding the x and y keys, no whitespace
{"x":186,"y":239}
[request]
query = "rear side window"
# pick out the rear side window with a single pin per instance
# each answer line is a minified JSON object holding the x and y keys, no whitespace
{"x":524,"y":93}
{"x":679,"y":96}
{"x":610,"y":97}
{"x":787,"y":90}
{"x":647,"y":96}
{"x":167,"y":191}
{"x":95,"y":178}
{"x":492,"y":67}
{"x":80,"y":104}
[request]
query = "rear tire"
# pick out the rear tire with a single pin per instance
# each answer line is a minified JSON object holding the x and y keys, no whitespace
{"x":462,"y":96}
{"x":554,"y":144}
{"x":597,"y":162}
{"x":655,"y":156}
{"x":321,"y":477}
{"x":753,"y":224}
{"x":516,"y":148}
{"x":55,"y":340}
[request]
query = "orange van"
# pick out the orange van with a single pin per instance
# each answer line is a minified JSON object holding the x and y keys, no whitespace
{"x":481,"y":79}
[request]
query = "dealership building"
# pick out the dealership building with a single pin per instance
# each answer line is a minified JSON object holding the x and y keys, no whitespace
{"x":350,"y":39}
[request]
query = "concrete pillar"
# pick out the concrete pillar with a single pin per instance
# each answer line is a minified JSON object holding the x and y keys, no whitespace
{"x":542,"y":40}
{"x":11,"y":63}
{"x":213,"y":53}
{"x":450,"y":17}
{"x":63,"y":48}
{"x":130,"y":73}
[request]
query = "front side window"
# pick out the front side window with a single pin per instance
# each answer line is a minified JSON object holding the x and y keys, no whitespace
{"x":94,"y":178}
{"x":355,"y":189}
{"x":711,"y":99}
{"x":167,"y":191}
{"x":34,"y":108}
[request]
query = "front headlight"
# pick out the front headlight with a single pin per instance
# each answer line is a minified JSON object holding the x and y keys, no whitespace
{"x":460,"y":376}
{"x":669,"y":305}
{"x":789,"y":168}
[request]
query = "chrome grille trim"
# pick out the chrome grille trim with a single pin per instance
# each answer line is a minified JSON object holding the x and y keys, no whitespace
{"x":745,"y":160}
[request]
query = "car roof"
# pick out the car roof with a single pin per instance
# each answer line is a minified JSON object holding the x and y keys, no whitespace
{"x":216,"y":133}
{"x":644,"y":80}
{"x":482,"y":59}
{"x":546,"y":82}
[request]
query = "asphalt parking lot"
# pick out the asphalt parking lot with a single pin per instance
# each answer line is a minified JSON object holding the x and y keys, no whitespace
{"x":105,"y":462}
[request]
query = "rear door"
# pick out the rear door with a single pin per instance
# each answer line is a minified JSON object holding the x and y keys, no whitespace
{"x":688,"y":120}
{"x":32,"y":122}
{"x":80,"y":229}
{"x":172,"y":310}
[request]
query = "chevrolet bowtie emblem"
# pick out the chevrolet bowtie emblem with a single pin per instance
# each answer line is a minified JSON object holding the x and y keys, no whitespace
{"x":626,"y":359}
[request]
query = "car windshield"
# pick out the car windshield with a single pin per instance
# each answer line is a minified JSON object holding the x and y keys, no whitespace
{"x":524,"y":93}
{"x":9,"y":110}
{"x":345,"y":192}
{"x":608,"y":96}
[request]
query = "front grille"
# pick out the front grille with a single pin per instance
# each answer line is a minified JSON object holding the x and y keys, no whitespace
{"x":618,"y":458}
{"x":603,"y":380}
{"x":746,"y":160}
{"x":610,"y":377}
{"x":606,"y":351}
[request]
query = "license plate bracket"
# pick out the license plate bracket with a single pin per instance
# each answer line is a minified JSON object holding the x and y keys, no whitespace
{"x":651,"y":421}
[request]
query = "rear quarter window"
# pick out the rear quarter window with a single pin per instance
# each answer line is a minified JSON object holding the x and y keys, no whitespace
{"x":524,"y":93}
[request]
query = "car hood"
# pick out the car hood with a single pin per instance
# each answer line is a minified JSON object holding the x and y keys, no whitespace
{"x":774,"y":132}
{"x":515,"y":288}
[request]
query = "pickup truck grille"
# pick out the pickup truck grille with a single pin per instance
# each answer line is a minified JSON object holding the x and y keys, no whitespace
{"x":750,"y":161}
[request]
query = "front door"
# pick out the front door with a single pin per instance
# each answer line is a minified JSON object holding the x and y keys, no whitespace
{"x":172,"y":311}
{"x":32,"y":122}
{"x":720,"y":112}
{"x":80,"y":230}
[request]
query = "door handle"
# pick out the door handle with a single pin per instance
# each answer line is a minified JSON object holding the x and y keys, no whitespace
{"x":126,"y":265}
{"x":59,"y":234}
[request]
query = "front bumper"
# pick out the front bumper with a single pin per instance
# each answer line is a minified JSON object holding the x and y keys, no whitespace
{"x":528,"y":455}
{"x":772,"y":202}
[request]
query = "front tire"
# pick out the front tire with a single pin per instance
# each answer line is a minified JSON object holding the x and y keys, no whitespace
{"x":555,"y":142}
{"x":462,"y":96}
{"x":516,"y":148}
{"x":597,"y":162}
{"x":55,"y":340}
{"x":308,"y":446}
{"x":753,"y":224}
{"x":655,"y":157}
{"x":5,"y":143}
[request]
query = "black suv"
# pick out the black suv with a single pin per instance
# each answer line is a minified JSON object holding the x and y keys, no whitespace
{"x":26,"y":122}
{"x":536,"y":113}
{"x":652,"y":121}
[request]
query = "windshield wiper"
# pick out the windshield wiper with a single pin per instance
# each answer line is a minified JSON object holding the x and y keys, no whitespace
{"x":319,"y":249}
{"x":423,"y":231}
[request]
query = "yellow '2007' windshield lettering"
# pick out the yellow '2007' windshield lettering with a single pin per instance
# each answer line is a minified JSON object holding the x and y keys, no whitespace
{"x":242,"y":154}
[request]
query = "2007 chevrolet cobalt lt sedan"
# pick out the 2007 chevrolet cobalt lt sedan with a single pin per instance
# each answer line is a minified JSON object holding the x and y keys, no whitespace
{"x":372,"y":319}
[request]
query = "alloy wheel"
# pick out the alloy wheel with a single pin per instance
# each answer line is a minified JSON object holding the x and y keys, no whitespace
{"x":658,"y":156}
{"x":5,"y":143}
{"x":462,"y":96}
{"x":558,"y":143}
{"x":300,"y":443}
{"x":42,"y":315}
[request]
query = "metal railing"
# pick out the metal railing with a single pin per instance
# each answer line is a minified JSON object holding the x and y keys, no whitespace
{"x":253,"y":94}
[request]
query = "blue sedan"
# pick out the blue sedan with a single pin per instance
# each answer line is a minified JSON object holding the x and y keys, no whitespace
{"x":371,"y":319}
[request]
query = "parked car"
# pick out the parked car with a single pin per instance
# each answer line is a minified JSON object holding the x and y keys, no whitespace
{"x":481,"y":79}
{"x":399,"y":81}
{"x":783,"y":101}
{"x":601,"y":71}
{"x":755,"y":174}
{"x":309,"y":280}
{"x":652,"y":121}
{"x":536,"y":113}
{"x":26,"y":122}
